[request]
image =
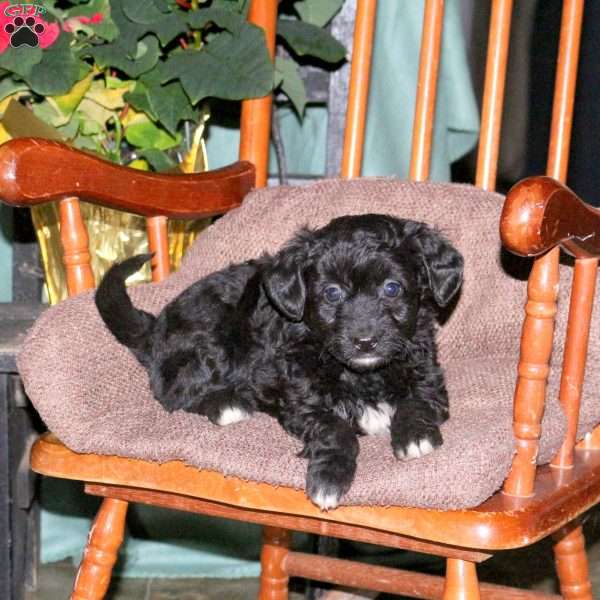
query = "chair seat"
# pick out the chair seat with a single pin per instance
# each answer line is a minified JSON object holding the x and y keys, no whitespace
{"x":501,"y":522}
{"x":95,"y":397}
{"x":478,"y":443}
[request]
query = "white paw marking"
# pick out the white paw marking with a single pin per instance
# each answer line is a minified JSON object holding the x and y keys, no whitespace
{"x":232,"y":414}
{"x":416,"y":450}
{"x":325,"y":501}
{"x":376,"y":421}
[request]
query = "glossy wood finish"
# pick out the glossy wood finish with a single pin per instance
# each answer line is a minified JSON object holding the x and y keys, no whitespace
{"x":429,"y":60}
{"x":564,"y":89}
{"x":461,"y":581}
{"x":398,"y":581}
{"x":75,"y":242}
{"x":158,"y":242}
{"x":540,"y":213}
{"x":575,"y":354}
{"x":533,"y":370}
{"x":358,"y":94}
{"x":571,"y":564}
{"x":502,"y":522}
{"x":100,"y":554}
{"x":493,"y":94}
{"x":34,"y":171}
{"x":255,"y":126}
{"x":273,"y":575}
{"x":297,"y":522}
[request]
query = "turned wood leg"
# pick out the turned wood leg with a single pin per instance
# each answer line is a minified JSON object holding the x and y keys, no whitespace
{"x":100,"y":554}
{"x":571,"y":563}
{"x":461,"y":580}
{"x":273,"y":577}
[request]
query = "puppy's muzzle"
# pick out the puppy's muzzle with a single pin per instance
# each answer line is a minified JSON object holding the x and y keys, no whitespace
{"x":365,"y":344}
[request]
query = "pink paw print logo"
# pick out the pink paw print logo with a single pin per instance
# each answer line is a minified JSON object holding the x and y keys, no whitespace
{"x":21,"y":26}
{"x":24,"y":32}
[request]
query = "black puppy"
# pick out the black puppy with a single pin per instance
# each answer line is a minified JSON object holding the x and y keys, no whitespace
{"x":334,"y":336}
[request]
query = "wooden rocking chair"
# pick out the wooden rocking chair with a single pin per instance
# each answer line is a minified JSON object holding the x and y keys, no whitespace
{"x":540,"y":216}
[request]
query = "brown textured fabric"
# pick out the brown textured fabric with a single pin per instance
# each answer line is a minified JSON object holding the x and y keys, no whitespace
{"x":94,"y":396}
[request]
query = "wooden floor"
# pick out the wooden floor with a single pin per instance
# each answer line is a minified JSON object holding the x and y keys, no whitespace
{"x":531,"y":568}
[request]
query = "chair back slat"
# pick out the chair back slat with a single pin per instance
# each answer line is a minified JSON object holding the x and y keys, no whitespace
{"x":538,"y":326}
{"x":358,"y":92}
{"x":429,"y":61}
{"x":493,"y":94}
{"x":75,"y":242}
{"x":158,"y":243}
{"x":564,"y":89}
{"x":255,"y":126}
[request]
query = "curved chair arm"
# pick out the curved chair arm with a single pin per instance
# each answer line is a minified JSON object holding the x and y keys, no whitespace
{"x":34,"y":171}
{"x":540,"y":213}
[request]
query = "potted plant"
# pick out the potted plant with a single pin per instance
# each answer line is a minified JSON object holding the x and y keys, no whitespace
{"x":134,"y":82}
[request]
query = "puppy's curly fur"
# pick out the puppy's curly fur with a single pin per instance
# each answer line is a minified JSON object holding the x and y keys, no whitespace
{"x":334,"y":336}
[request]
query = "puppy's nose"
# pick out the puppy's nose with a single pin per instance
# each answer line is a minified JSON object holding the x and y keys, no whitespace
{"x":365,"y":344}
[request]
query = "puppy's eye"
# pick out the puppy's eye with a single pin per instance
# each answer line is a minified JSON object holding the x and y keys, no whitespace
{"x":333,"y":293}
{"x":391,"y":288}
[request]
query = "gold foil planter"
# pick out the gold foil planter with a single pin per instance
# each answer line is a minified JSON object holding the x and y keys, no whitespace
{"x":114,"y":235}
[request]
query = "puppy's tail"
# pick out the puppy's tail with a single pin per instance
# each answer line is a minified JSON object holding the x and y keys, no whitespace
{"x":131,"y":326}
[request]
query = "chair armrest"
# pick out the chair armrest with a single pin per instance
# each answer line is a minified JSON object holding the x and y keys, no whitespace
{"x":34,"y":171}
{"x":540,"y":213}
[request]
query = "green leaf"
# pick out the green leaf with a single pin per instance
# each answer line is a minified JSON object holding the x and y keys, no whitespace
{"x":138,"y":98}
{"x":238,"y":6}
{"x":69,"y":130}
{"x":58,"y":70}
{"x":20,"y":60}
{"x":48,"y":113}
{"x":158,"y":160}
{"x":318,"y":12}
{"x":129,"y":32}
{"x":291,"y":83}
{"x":221,"y":17}
{"x":86,"y":142}
{"x":114,"y":55}
{"x":143,"y":133}
{"x":67,"y":103}
{"x":89,"y":127}
{"x":168,"y":102}
{"x":165,"y":26}
{"x":309,"y":40}
{"x":105,"y":29}
{"x":231,"y":67}
{"x":8,"y":87}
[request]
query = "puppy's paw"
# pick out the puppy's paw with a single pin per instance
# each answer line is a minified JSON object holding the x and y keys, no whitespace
{"x":232,"y":414}
{"x":223,"y":411}
{"x":418,"y":444}
{"x":327,"y":481}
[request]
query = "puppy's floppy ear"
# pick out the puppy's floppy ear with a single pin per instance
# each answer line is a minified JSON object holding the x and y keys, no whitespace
{"x":284,"y":282}
{"x":443,"y":263}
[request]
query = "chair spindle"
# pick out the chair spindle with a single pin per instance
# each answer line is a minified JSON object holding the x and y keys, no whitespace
{"x":576,"y":344}
{"x":493,"y":94}
{"x":429,"y":61}
{"x":358,"y":92}
{"x":158,"y":243}
{"x":75,"y":243}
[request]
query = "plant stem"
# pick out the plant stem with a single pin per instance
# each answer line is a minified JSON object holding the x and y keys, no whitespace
{"x":196,"y":34}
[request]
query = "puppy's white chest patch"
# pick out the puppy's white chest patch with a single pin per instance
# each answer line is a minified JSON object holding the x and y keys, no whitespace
{"x":376,"y":421}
